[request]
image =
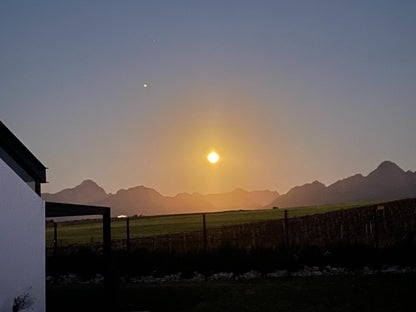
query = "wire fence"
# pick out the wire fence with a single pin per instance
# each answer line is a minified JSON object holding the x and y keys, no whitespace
{"x":378,"y":225}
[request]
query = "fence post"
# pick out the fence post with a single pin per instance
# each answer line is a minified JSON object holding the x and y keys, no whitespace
{"x":128,"y":235}
{"x":286,"y":230}
{"x":128,"y":248}
{"x":204,"y":228}
{"x":110,"y":287}
{"x":376,"y":240}
{"x":55,"y":237}
{"x":184,"y":242}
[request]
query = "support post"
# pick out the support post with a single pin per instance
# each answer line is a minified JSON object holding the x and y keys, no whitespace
{"x":204,"y":228}
{"x":376,"y":240}
{"x":53,"y":210}
{"x":107,"y":236}
{"x":109,"y":279}
{"x":286,"y":230}
{"x":128,"y":235}
{"x":55,"y":237}
{"x":128,"y":248}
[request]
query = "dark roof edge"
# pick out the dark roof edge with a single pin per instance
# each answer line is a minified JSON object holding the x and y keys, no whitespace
{"x":66,"y":210}
{"x":21,"y":154}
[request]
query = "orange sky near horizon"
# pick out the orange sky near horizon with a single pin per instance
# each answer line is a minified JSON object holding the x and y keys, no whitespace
{"x":138,"y":92}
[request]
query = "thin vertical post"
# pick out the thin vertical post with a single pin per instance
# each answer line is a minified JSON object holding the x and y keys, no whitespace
{"x":108,"y":280}
{"x":376,"y":240}
{"x":128,"y":248}
{"x":286,"y":230}
{"x":107,"y":235}
{"x":204,"y":227}
{"x":128,"y":235}
{"x":55,"y":237}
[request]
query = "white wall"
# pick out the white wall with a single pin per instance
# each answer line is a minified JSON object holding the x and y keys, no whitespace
{"x":22,"y":241}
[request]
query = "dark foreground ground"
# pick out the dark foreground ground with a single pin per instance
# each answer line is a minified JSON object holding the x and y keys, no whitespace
{"x":331,"y":293}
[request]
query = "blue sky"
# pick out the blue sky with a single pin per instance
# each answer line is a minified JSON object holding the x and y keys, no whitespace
{"x":287,"y":92}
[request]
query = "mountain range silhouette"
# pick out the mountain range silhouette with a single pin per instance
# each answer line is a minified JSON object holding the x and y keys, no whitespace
{"x":141,"y":200}
{"x":387,"y":182}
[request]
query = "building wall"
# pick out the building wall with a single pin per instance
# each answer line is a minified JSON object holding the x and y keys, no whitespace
{"x":22,"y":241}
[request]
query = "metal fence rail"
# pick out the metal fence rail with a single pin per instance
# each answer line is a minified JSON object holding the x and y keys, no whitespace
{"x":378,"y":225}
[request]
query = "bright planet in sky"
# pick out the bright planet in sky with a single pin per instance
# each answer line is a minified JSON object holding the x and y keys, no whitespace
{"x":213,"y":157}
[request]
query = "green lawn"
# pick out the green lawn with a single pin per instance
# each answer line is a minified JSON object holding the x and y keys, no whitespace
{"x":159,"y":225}
{"x":337,"y":293}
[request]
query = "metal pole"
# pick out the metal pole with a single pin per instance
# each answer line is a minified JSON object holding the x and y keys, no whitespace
{"x":128,"y":248}
{"x":55,"y":237}
{"x":128,"y":235}
{"x":376,"y":240}
{"x":204,"y":226}
{"x":107,"y":235}
{"x":286,"y":230}
{"x":109,"y":282}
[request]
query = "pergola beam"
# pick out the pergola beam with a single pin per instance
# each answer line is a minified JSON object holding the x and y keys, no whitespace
{"x":70,"y":210}
{"x":53,"y":210}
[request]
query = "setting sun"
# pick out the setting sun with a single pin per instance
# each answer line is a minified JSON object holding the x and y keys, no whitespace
{"x":213,"y":157}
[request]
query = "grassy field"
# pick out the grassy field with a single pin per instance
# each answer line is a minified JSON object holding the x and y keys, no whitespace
{"x":158,"y":225}
{"x":332,"y":293}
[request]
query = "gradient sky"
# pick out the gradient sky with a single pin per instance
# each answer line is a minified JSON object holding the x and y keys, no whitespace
{"x":287,"y":92}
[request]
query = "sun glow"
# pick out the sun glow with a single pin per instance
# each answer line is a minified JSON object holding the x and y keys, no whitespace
{"x":213,"y":157}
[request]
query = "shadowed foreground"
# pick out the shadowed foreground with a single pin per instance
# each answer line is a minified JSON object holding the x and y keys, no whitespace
{"x":339,"y":293}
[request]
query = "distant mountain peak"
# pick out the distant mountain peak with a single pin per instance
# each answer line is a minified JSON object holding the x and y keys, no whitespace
{"x":387,"y":182}
{"x":387,"y":164}
{"x":140,"y":188}
{"x":387,"y":167}
{"x":85,"y":193}
{"x":88,"y":182}
{"x":316,"y":182}
{"x":183,"y":195}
